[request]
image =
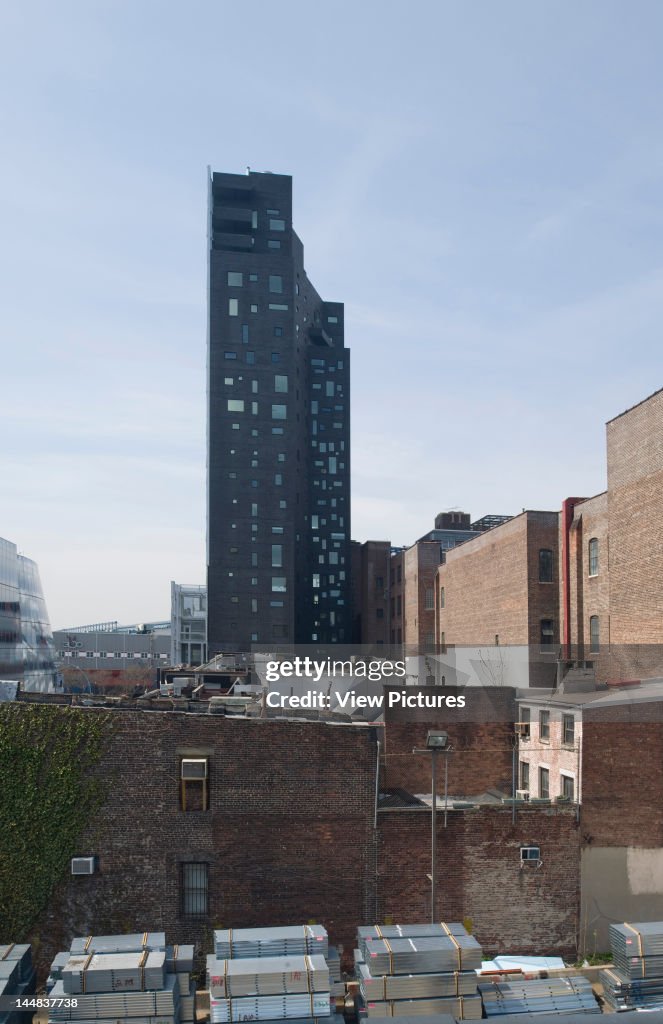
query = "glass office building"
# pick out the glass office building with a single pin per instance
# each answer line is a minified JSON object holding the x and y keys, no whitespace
{"x":27,"y":654}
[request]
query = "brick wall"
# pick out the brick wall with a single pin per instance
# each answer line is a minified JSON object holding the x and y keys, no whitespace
{"x":590,"y":595}
{"x":482,"y":738}
{"x":479,"y":875}
{"x":622,"y":775}
{"x":287,"y":837}
{"x":635,"y":516}
{"x":420,"y":564}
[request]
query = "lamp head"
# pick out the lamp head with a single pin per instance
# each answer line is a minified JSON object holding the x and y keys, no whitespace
{"x":436,"y":740}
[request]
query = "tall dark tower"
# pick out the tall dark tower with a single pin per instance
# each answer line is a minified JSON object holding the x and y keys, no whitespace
{"x":278,"y":450}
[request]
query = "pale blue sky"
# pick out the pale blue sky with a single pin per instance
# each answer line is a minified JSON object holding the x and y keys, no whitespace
{"x":481,"y":183}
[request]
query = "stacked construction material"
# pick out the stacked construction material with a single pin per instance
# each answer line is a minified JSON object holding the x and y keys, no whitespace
{"x":541,"y":995}
{"x":104,"y":978}
{"x":637,"y":978}
{"x":249,"y":943}
{"x":417,"y":970}
{"x":268,"y":988}
{"x":17,"y":980}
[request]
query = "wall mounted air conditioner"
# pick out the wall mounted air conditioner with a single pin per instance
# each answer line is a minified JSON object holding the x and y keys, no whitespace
{"x":82,"y":865}
{"x":194,"y":768}
{"x":522,"y":794}
{"x":529,"y":854}
{"x":522,"y":730}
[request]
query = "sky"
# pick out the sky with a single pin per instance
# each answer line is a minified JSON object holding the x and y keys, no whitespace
{"x":480,"y":183}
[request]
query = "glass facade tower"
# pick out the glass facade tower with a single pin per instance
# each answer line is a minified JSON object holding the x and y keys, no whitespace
{"x":27,"y":654}
{"x":278,"y":473}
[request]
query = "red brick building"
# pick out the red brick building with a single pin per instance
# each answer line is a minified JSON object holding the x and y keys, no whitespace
{"x":612,"y":556}
{"x":497,"y":604}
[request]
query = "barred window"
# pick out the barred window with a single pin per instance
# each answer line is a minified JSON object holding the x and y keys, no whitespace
{"x":195,"y":890}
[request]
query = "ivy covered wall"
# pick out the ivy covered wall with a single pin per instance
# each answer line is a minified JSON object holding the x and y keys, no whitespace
{"x":48,"y":792}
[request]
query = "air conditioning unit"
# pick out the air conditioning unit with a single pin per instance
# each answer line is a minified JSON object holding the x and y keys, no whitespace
{"x":529,"y":854}
{"x":522,"y":729}
{"x":522,"y":794}
{"x":194,"y":768}
{"x":82,"y":865}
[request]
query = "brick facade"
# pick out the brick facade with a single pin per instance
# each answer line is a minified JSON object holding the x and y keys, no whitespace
{"x":494,"y":594}
{"x":480,"y":877}
{"x":420,"y":562}
{"x":290,"y":836}
{"x":635,"y":522}
{"x":371,"y":564}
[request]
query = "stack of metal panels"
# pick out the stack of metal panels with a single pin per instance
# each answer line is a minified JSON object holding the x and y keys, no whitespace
{"x":415,"y":986}
{"x":545,"y":995}
{"x":441,"y":953}
{"x":267,"y":976}
{"x":270,"y":1008}
{"x":626,"y":993}
{"x":462,"y":1008}
{"x":100,"y":1006}
{"x":17,"y":979}
{"x":134,"y":943}
{"x":110,"y":977}
{"x":418,"y":970}
{"x":296,"y":940}
{"x":114,"y":972}
{"x":637,"y":977}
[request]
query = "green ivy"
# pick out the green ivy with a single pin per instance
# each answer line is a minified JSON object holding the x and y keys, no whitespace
{"x":48,"y":794}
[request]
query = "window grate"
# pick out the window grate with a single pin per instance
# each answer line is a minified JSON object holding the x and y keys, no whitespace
{"x":194,"y":890}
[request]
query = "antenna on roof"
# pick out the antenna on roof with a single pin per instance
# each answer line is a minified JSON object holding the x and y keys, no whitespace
{"x":248,"y":169}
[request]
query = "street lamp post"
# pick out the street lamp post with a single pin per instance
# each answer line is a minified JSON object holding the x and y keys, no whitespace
{"x":435,"y":741}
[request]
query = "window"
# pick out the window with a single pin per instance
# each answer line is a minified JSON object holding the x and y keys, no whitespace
{"x":276,"y":357}
{"x":525,"y":721}
{"x":429,"y":601}
{"x":277,"y":556}
{"x":278,"y":584}
{"x":594,"y":634}
{"x":567,"y":787}
{"x":250,"y":357}
{"x":568,"y":730}
{"x":278,"y":332}
{"x":547,"y":633}
{"x":379,"y":613}
{"x":253,"y":277}
{"x":235,"y":279}
{"x":230,"y":355}
{"x":281,"y":383}
{"x":276,"y":284}
{"x":593,"y":556}
{"x":194,"y":890}
{"x":544,"y":783}
{"x":279,"y":412}
{"x":276,"y":224}
{"x":233,"y":307}
{"x":332,"y":319}
{"x":273,"y":243}
{"x":442,"y":598}
{"x":254,"y":307}
{"x":235,"y":405}
{"x":545,"y":565}
{"x":379,"y":580}
{"x":278,"y":305}
{"x":245,"y":334}
{"x":278,"y":479}
{"x":524,"y":775}
{"x":544,"y":726}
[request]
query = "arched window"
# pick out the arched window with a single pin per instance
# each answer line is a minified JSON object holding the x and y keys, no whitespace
{"x":594,"y":633}
{"x":593,"y":557}
{"x":545,"y":565}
